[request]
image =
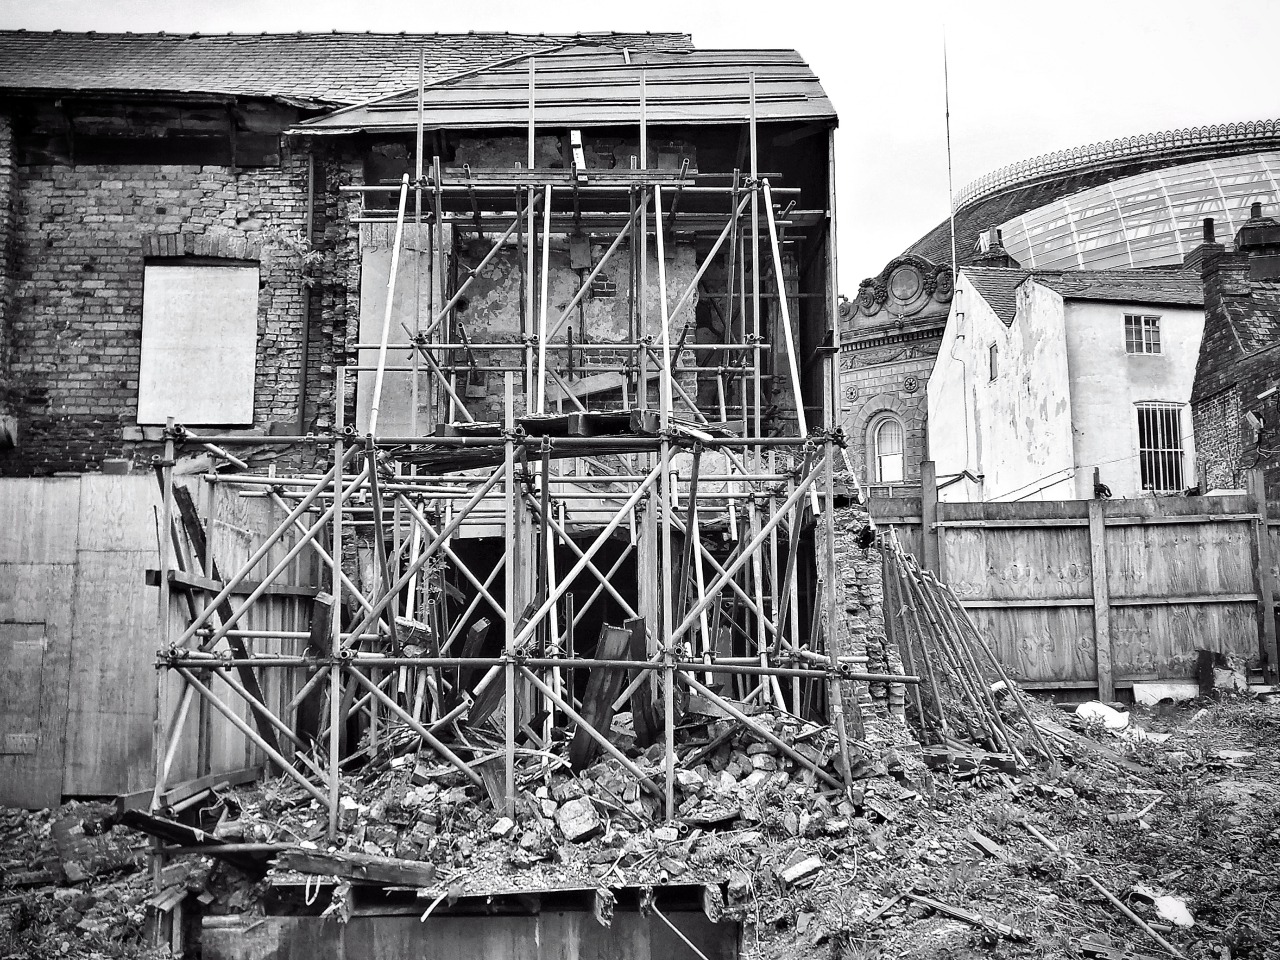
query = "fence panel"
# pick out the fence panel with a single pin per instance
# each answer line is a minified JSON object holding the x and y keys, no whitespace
{"x":1174,"y":575}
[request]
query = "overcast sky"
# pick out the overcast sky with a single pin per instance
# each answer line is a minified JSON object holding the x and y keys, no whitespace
{"x":1026,"y":78}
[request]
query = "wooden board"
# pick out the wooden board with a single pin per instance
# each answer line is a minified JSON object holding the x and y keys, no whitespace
{"x":1179,"y":560}
{"x":1017,"y":563}
{"x":1041,"y":643}
{"x":38,"y":529}
{"x":1160,"y":641}
{"x":113,"y":644}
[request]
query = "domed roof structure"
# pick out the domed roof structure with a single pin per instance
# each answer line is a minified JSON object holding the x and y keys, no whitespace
{"x":1135,"y":202}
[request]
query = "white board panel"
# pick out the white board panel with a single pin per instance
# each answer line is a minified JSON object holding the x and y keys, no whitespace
{"x":199,"y":344}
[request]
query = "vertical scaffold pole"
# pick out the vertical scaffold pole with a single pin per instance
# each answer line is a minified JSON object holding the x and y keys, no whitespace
{"x":335,"y":642}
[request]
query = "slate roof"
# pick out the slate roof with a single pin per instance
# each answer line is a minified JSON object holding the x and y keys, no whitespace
{"x":1256,"y":318}
{"x":585,"y":84}
{"x":1168,"y":287}
{"x":329,"y":68}
{"x":998,"y":286}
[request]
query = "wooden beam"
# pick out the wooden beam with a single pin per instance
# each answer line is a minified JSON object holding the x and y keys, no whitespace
{"x":359,"y":866}
{"x":1101,"y":604}
{"x":602,"y":689}
{"x":181,"y":580}
{"x":929,"y":525}
{"x":1266,"y":578}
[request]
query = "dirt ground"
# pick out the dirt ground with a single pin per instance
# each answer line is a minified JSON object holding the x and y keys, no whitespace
{"x":1209,"y":833}
{"x":1195,"y":817}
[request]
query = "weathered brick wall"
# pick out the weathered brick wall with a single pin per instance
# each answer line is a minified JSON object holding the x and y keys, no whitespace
{"x":80,"y":237}
{"x":860,"y":595}
{"x":6,"y":257}
{"x":1216,"y":422}
{"x":1229,"y":378}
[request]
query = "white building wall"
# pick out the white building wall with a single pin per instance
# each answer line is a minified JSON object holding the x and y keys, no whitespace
{"x":1014,"y":430}
{"x":1107,"y":383}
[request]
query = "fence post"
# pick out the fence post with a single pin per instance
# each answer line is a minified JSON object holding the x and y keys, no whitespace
{"x":1267,"y":588}
{"x":1101,"y":600}
{"x":929,"y":535}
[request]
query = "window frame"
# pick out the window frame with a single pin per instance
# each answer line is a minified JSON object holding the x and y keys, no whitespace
{"x":1159,"y":463}
{"x":1143,"y":331}
{"x":993,"y":362}
{"x":878,"y":423}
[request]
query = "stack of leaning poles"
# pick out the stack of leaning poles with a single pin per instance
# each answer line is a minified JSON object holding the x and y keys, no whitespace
{"x":965,"y":697}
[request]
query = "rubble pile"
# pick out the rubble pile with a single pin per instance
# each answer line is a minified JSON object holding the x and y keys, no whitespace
{"x":71,"y":882}
{"x":735,"y":792}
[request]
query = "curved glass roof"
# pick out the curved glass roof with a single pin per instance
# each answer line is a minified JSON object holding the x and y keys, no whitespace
{"x":1147,"y":220}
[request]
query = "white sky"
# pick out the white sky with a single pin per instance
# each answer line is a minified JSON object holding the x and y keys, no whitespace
{"x":1026,"y":78}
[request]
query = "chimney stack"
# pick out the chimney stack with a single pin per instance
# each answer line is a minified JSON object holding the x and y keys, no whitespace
{"x":1203,"y":257}
{"x":1259,"y":238}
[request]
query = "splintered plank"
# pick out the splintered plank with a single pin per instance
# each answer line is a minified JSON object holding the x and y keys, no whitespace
{"x":359,"y":866}
{"x":646,"y":718}
{"x":195,"y":531}
{"x":603,"y":686}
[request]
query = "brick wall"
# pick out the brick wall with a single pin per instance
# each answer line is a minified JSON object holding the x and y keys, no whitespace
{"x":861,"y":635}
{"x":1239,"y":359}
{"x":1216,"y":422}
{"x":80,"y":237}
{"x":6,"y":257}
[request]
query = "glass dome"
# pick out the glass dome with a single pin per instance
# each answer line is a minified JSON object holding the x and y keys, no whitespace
{"x":1147,"y":220}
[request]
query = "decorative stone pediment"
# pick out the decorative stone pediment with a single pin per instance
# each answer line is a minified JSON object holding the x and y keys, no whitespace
{"x":909,"y":287}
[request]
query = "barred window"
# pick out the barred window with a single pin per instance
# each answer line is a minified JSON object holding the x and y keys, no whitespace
{"x":1141,"y":334}
{"x":1160,"y":456}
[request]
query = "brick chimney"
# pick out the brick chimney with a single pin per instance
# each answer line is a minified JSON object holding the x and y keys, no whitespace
{"x":990,"y":252}
{"x":1208,"y":250}
{"x":1259,"y":239}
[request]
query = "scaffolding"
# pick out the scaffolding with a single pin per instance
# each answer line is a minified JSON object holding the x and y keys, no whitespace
{"x":469,"y":628}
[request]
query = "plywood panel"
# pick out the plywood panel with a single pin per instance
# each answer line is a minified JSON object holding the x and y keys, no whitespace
{"x":1016,"y":563}
{"x":35,"y":640}
{"x":1162,"y":640}
{"x":113,"y":678}
{"x":38,"y":520}
{"x":1179,"y":560}
{"x":199,"y":344}
{"x":120,"y":513}
{"x":1041,"y":643}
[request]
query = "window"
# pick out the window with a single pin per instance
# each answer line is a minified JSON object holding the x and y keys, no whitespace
{"x":1160,"y":447}
{"x":199,"y":342}
{"x":887,"y":450}
{"x":1141,"y":334}
{"x":993,"y":360}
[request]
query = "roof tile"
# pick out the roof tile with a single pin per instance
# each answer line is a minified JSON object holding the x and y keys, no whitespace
{"x":333,"y":68}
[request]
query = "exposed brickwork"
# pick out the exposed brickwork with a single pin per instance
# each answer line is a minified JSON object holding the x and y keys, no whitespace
{"x":6,"y":256}
{"x":1239,"y":359}
{"x":80,"y":241}
{"x":860,"y":595}
{"x":1216,"y":422}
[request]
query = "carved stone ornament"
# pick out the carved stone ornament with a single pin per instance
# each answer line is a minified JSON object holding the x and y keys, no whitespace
{"x":906,"y":287}
{"x":910,"y":384}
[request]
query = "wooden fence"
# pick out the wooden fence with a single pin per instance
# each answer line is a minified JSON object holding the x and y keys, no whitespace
{"x":80,"y":628}
{"x":1098,"y":594}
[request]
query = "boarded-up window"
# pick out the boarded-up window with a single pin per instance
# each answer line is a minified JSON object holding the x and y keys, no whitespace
{"x":199,"y":343}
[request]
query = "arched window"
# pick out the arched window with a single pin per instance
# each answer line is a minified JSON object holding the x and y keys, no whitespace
{"x":887,"y":449}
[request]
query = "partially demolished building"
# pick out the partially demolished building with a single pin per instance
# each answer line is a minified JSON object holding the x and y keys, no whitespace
{"x":529,"y":348}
